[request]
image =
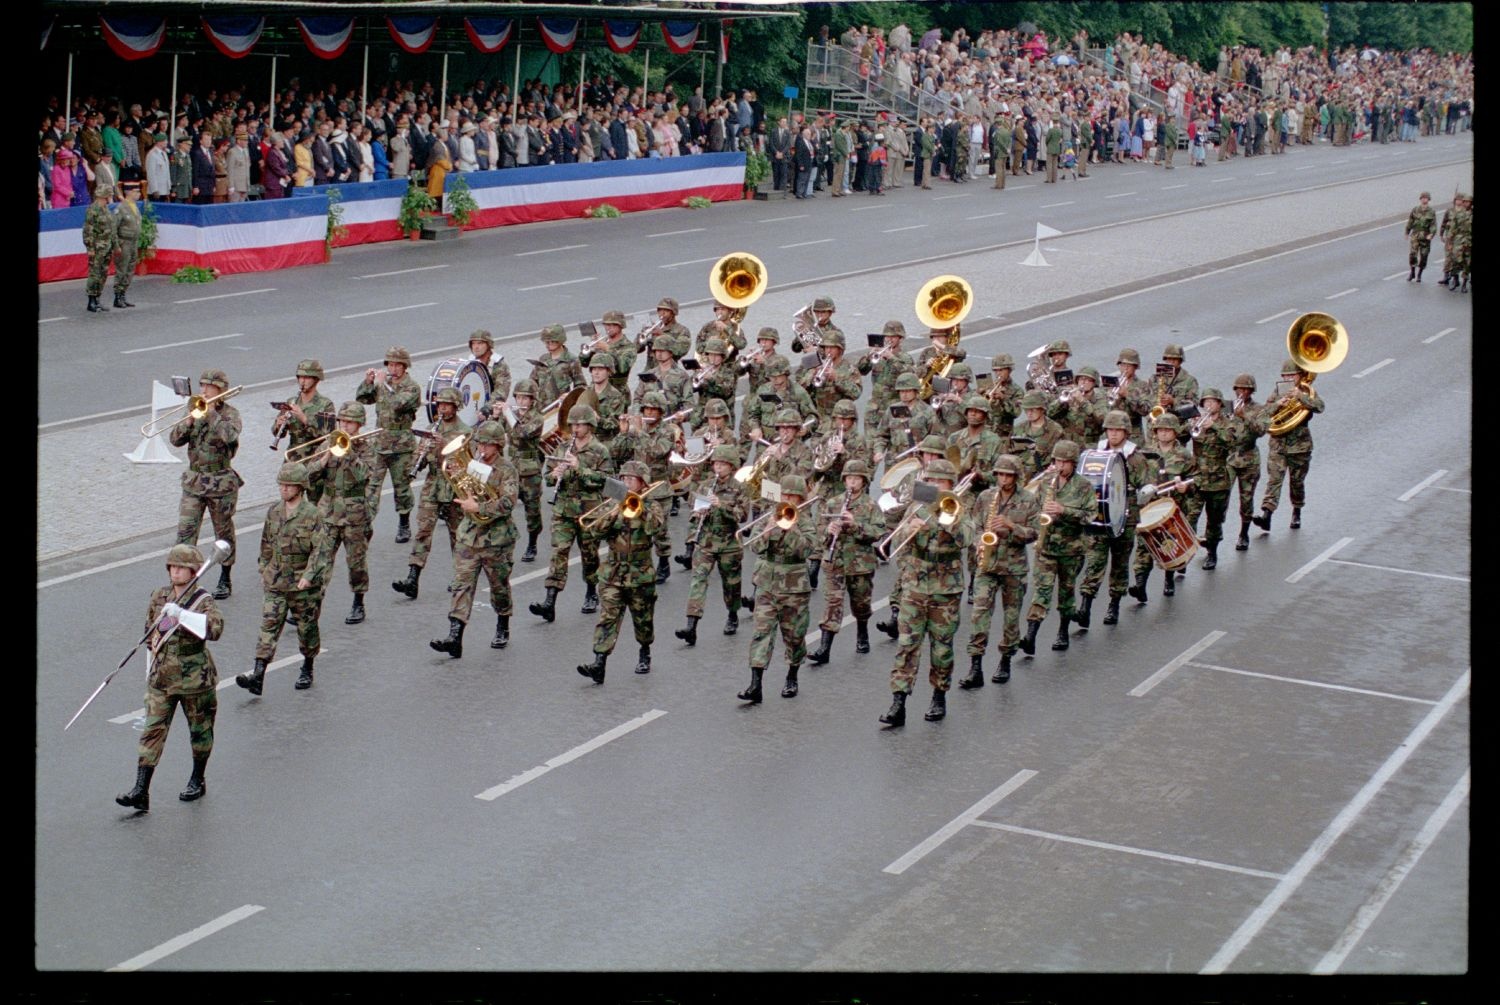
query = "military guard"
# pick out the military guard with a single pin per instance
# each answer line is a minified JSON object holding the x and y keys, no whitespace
{"x":1107,"y":549}
{"x":396,"y":398}
{"x":1421,"y":224}
{"x":712,"y":543}
{"x":1008,"y":512}
{"x":579,"y":476}
{"x":127,"y":239}
{"x":345,"y":482}
{"x":99,"y":242}
{"x":1068,"y":499}
{"x":306,"y":416}
{"x":782,"y":591}
{"x":1291,"y":451}
{"x":1170,"y":461}
{"x":437,"y":492}
{"x":210,"y":483}
{"x":1248,"y":422}
{"x":854,"y":525}
{"x":626,"y":580}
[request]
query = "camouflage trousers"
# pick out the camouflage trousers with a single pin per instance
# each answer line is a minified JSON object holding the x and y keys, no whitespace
{"x":663,"y":540}
{"x":1458,"y":260}
{"x":898,"y":585}
{"x":1278,"y":465}
{"x":835,"y":585}
{"x":1216,"y":505}
{"x":1246,"y":478}
{"x":273,"y":611}
{"x":220,"y":511}
{"x":429,"y":511}
{"x":936,"y":619}
{"x":356,"y":538}
{"x":199,"y":707}
{"x":788,"y":612}
{"x":467,"y":563}
{"x":124,"y":268}
{"x":565,"y":530}
{"x":1051,"y":573}
{"x":614,"y":599}
{"x":1113,"y":552}
{"x":399,"y":465}
{"x":729,"y":564}
{"x":1420,"y":246}
{"x":98,"y":273}
{"x":1010,"y":591}
{"x":531,"y":501}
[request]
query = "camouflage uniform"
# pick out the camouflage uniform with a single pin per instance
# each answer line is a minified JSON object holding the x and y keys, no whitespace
{"x":893,"y":435}
{"x":622,"y":353}
{"x":730,"y":332}
{"x":760,"y":413}
{"x":1421,"y":223}
{"x":1060,"y":550}
{"x":319,"y":411}
{"x":1211,"y":448}
{"x":673,"y":383}
{"x":292,"y":548}
{"x":1033,"y":443}
{"x":555,"y":376}
{"x":782,"y":590}
{"x":791,"y":459}
{"x":1290,"y":452}
{"x":930,"y":600}
{"x":437,"y":492}
{"x":499,"y":371}
{"x":343,"y":505}
{"x":1167,"y":464}
{"x":852,"y":567}
{"x":884,"y":374}
{"x":486,"y":539}
{"x":756,"y":373}
{"x":1005,"y":411}
{"x":182,"y":673}
{"x":949,"y":405}
{"x":718,"y":386}
{"x":653,"y":446}
{"x":1002,"y":569}
{"x":716,"y":546}
{"x":829,"y":483}
{"x":841,"y":383}
{"x":127,"y":244}
{"x":626,"y":578}
{"x":1244,"y":455}
{"x":210,"y":483}
{"x":977,"y":453}
{"x":396,"y":406}
{"x":1104,"y":548}
{"x":99,"y":241}
{"x":1183,"y":387}
{"x":1081,"y":417}
{"x":526,"y":454}
{"x":1460,"y":242}
{"x":578,"y":491}
{"x":613,"y":403}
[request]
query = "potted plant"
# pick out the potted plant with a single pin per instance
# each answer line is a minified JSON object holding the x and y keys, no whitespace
{"x":147,"y":241}
{"x":414,"y":205}
{"x":336,"y":230}
{"x":757,"y":170}
{"x":461,"y":204}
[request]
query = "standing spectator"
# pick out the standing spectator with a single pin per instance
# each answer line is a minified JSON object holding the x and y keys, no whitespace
{"x":221,"y":169}
{"x":466,"y":154}
{"x":875,"y":170}
{"x":898,"y":147}
{"x":130,"y":160}
{"x":923,"y":146}
{"x":322,"y":155}
{"x":45,"y":161}
{"x":203,"y":169}
{"x":438,"y":166}
{"x":274,"y":176}
{"x":237,"y":165}
{"x":343,"y":166}
{"x":380,"y":168}
{"x":182,"y":170}
{"x":804,"y":160}
{"x":307,"y":172}
{"x":105,"y":176}
{"x":744,"y":121}
{"x":617,"y":139}
{"x":62,"y":177}
{"x":780,"y":146}
{"x":401,"y":149}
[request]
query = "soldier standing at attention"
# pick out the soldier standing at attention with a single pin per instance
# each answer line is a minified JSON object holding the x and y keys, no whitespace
{"x":293,"y":562}
{"x":1069,"y":500}
{"x":127,"y":240}
{"x":1421,"y":223}
{"x":714,"y":545}
{"x":626,"y":578}
{"x":1248,"y":422}
{"x":1212,"y":440}
{"x":437,"y":494}
{"x":1170,"y":461}
{"x":526,"y":455}
{"x":307,"y":416}
{"x":1104,"y":548}
{"x":1009,"y":512}
{"x":482,"y":345}
{"x":854,"y":525}
{"x":486,"y":541}
{"x":1290,"y":451}
{"x":346,"y":487}
{"x":557,"y":372}
{"x":579,"y":477}
{"x":182,"y":673}
{"x":99,"y":242}
{"x":396,"y":398}
{"x":210,"y":483}
{"x":782,"y":591}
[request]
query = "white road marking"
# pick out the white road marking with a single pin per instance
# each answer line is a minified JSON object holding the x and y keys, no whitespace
{"x":1313,"y":683}
{"x":1178,"y":661}
{"x":531,"y":775}
{"x":548,"y":286}
{"x":817,"y":633}
{"x":1433,"y":338}
{"x":956,"y":195}
{"x":1371,"y":369}
{"x":866,"y":209}
{"x":221,"y":296}
{"x":1394,"y":275}
{"x":1446,"y":488}
{"x":1327,"y":554}
{"x":140,"y":713}
{"x":803,"y":244}
{"x":1106,"y":846}
{"x":1408,"y":572}
{"x":548,"y":251}
{"x":171,"y":946}
{"x":1305,"y":167}
{"x":1293,"y":879}
{"x":387,"y":310}
{"x":174,"y":345}
{"x":958,"y":823}
{"x":1217,"y":181}
{"x":1119,"y":195}
{"x":691,"y":261}
{"x":61,"y":317}
{"x":1273,"y":317}
{"x":1409,"y":493}
{"x":984,"y":216}
{"x":779,"y":219}
{"x":897,"y":230}
{"x":1203,"y":342}
{"x":674,"y":233}
{"x":1054,"y":205}
{"x":402,"y":272}
{"x":1131,"y":174}
{"x":1262,"y":174}
{"x":1342,"y":293}
{"x":1013,"y":188}
{"x":1370,"y":910}
{"x":1168,"y":188}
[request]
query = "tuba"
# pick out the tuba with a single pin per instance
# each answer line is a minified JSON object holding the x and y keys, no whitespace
{"x":737,"y":280}
{"x":944,"y":302}
{"x":1317,"y":343}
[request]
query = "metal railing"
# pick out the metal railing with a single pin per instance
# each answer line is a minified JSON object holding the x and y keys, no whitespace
{"x":863,"y":85}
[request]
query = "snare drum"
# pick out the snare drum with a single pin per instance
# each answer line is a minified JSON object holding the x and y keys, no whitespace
{"x":1105,"y":470}
{"x":1166,"y":534}
{"x":470,"y":378}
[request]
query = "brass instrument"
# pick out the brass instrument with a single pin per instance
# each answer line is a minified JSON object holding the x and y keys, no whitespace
{"x":783,"y":517}
{"x":340,"y":443}
{"x":629,"y":505}
{"x":997,"y":392}
{"x":754,"y":357}
{"x":1115,"y":395}
{"x":1039,"y":376}
{"x":1317,"y":343}
{"x":882,"y":354}
{"x":825,"y":452}
{"x":197,"y":406}
{"x":428,"y":438}
{"x":749,"y":475}
{"x":737,"y":280}
{"x":938,"y":366}
{"x":805,"y":334}
{"x":1241,"y":399}
{"x":943,"y":302}
{"x":1199,"y":425}
{"x":833,"y":538}
{"x":821,"y":376}
{"x":646,"y":335}
{"x":988,"y":540}
{"x":457,"y":457}
{"x":572,"y":449}
{"x":555,"y":416}
{"x":704,"y":374}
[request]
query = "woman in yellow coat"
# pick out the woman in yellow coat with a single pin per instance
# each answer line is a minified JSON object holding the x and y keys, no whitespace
{"x":438,"y":165}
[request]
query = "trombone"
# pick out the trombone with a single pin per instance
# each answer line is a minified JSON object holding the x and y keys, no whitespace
{"x":622,"y":503}
{"x":197,"y":406}
{"x":340,"y":444}
{"x":784,"y":516}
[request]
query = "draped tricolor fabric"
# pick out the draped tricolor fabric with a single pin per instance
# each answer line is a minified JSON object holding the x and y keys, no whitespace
{"x":133,"y":37}
{"x":681,"y":36}
{"x":622,"y":35}
{"x":327,"y":37}
{"x":234,"y":35}
{"x":489,"y":34}
{"x":558,"y":32}
{"x":414,"y":34}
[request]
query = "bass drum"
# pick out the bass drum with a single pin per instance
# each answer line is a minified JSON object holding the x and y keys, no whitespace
{"x":470,"y":378}
{"x":1105,"y":470}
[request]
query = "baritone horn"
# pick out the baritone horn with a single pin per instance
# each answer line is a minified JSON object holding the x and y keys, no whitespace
{"x":943,"y":302}
{"x":197,"y":406}
{"x":737,"y":280}
{"x":1317,"y":343}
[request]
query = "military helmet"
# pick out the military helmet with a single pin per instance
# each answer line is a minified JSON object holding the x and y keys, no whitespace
{"x":654,"y":399}
{"x":310,"y":368}
{"x":716,"y":408}
{"x":933,"y":444}
{"x":823,"y":304}
{"x":668,"y":303}
{"x":602,"y":358}
{"x":583,"y":414}
{"x":483,"y":336}
{"x":961,"y":371}
{"x":491,"y":432}
{"x":794,"y":485}
{"x":940,"y":468}
{"x":857,"y":466}
{"x":1425,"y":195}
{"x":1116,"y":419}
{"x":554,"y":333}
{"x":844,"y":409}
{"x":895,"y":328}
{"x":678,"y":346}
{"x":726,"y":452}
{"x":352,"y":411}
{"x":770,"y":333}
{"x":1289,"y":366}
{"x":1010,"y":463}
{"x":1211,"y":392}
{"x":1033,"y":399}
{"x":788,"y":417}
{"x":213,"y":376}
{"x":1065,"y":450}
{"x":294,"y":473}
{"x":1090,"y":372}
{"x":908,"y":382}
{"x":637,"y":468}
{"x":1244,"y":380}
{"x":398,"y":354}
{"x":717,"y":346}
{"x":1167,"y":421}
{"x":1059,"y":345}
{"x":184,"y":555}
{"x":614,"y":318}
{"x":448,"y":396}
{"x":1173,"y":351}
{"x":978,"y":401}
{"x":526,"y":386}
{"x":835,"y":339}
{"x":1129,"y":356}
{"x":778,"y":366}
{"x":1002,"y":362}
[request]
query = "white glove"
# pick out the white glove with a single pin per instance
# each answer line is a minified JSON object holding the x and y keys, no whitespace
{"x":171,"y":610}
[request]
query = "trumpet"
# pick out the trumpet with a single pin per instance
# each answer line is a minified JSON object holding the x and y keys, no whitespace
{"x":340,"y":443}
{"x":197,"y":407}
{"x":783,"y":517}
{"x":821,"y":376}
{"x":644,"y":337}
{"x":458,"y":463}
{"x":1241,"y":400}
{"x":704,"y":374}
{"x":753,"y":358}
{"x":1200,"y":424}
{"x":1116,"y":394}
{"x":805,"y":334}
{"x":997,"y":392}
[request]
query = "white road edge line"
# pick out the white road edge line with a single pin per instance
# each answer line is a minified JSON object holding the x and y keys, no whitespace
{"x":1411,"y":492}
{"x":693,"y":261}
{"x":674,"y":233}
{"x":548,"y":251}
{"x":171,"y":946}
{"x":897,"y":230}
{"x":1203,"y":342}
{"x":1106,"y":846}
{"x":1406,"y":572}
{"x":1327,"y":554}
{"x":387,"y":310}
{"x":221,"y":296}
{"x":489,"y":795}
{"x":1258,"y":918}
{"x":1171,"y":668}
{"x":958,"y":823}
{"x":803,"y":244}
{"x":548,"y":286}
{"x":223,"y":685}
{"x":402,"y":272}
{"x":1313,"y":683}
{"x":1431,"y":339}
{"x":1371,"y":369}
{"x":1273,"y":317}
{"x":1342,"y":293}
{"x":174,"y":345}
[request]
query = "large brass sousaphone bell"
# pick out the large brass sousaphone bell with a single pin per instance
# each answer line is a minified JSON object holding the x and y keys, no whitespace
{"x":1317,"y":343}
{"x":944,"y":302}
{"x":737,"y":280}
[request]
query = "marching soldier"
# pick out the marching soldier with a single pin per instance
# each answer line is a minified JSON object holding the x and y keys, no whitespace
{"x":307,"y":416}
{"x":1104,"y":548}
{"x":834,"y":379}
{"x":621,"y":352}
{"x":127,"y":240}
{"x":557,"y":372}
{"x":342,"y":507}
{"x":950,"y":404}
{"x":1132,"y":395}
{"x":755,"y":363}
{"x":890,"y":364}
{"x":482,"y":345}
{"x":293,"y":562}
{"x":789,"y":454}
{"x":931,"y":448}
{"x":893,"y":433}
{"x":437,"y":492}
{"x":782,"y":591}
{"x":1170,"y":461}
{"x":1033,"y":436}
{"x":1010,"y":513}
{"x":526,"y":456}
{"x":851,"y":533}
{"x":842,"y":444}
{"x":937,"y":347}
{"x":1460,"y":226}
{"x":648,"y":439}
{"x":1290,"y":451}
{"x":675,"y":332}
{"x":486,"y":541}
{"x":667,"y":376}
{"x":1182,"y":386}
{"x":99,"y":241}
{"x":713,"y":544}
{"x":613,"y":402}
{"x":1057,"y":353}
{"x":930,"y":604}
{"x":579,"y":477}
{"x":977,"y":445}
{"x":396,"y":398}
{"x":1248,"y":423}
{"x":210,"y":483}
{"x":1080,"y":411}
{"x":722,"y":326}
{"x":823,"y":326}
{"x":1069,"y":500}
{"x":182,"y":673}
{"x":1212,"y":440}
{"x":1005,"y":402}
{"x":1421,"y":224}
{"x":762,"y":405}
{"x":625,"y":577}
{"x":715,"y":381}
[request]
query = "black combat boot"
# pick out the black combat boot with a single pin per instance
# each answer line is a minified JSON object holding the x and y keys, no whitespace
{"x":825,"y":644}
{"x":453,"y":645}
{"x":529,"y":555}
{"x":590,"y":599}
{"x":1085,"y":613}
{"x":1169,"y":583}
{"x":139,"y":797}
{"x":403,"y":528}
{"x":1263,"y":520}
{"x":676,"y":506}
{"x":94,"y":307}
{"x":595,"y":670}
{"x":1411,"y":273}
{"x":663,"y":570}
{"x":254,"y":680}
{"x":748,"y":603}
{"x":686,"y":558}
{"x":752,"y":693}
{"x":1002,"y":674}
{"x":196,"y":786}
{"x":502,"y":632}
{"x":732,"y":623}
{"x":891,"y":627}
{"x":547,"y":609}
{"x":1112,"y":616}
{"x":1296,"y":523}
{"x":1138,"y":591}
{"x":643,"y":665}
{"x":1028,"y":641}
{"x":120,"y":300}
{"x":896,"y":714}
{"x":976,"y":673}
{"x":408,"y":585}
{"x":1419,"y":273}
{"x":939,"y":707}
{"x":814,"y":565}
{"x":862,"y":635}
{"x":305,"y":677}
{"x":1242,"y":543}
{"x":225,"y":587}
{"x":357,"y":612}
{"x":1061,"y":642}
{"x":971,"y":584}
{"x":789,"y":689}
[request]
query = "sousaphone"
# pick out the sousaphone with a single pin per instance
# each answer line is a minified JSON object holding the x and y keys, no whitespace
{"x":1317,"y":343}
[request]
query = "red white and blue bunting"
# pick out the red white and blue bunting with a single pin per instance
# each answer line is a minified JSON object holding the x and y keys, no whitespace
{"x":489,"y":34}
{"x":327,"y":37}
{"x":681,"y":36}
{"x":558,"y":32}
{"x":234,"y":35}
{"x":133,"y":37}
{"x":414,"y":34}
{"x":724,"y":42}
{"x":622,"y":35}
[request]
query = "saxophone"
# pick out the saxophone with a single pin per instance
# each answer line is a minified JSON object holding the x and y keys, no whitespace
{"x":989,"y":540}
{"x":1049,"y":493}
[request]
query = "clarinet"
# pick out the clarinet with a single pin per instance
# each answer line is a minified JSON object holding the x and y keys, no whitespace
{"x":833,"y":539}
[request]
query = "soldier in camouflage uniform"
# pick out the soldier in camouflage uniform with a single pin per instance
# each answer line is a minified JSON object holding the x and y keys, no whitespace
{"x":1421,"y":224}
{"x":1248,"y":422}
{"x":841,"y":444}
{"x":1057,"y":353}
{"x":1005,"y":410}
{"x":666,"y":376}
{"x":1291,"y":451}
{"x":1182,"y":388}
{"x":754,"y":363}
{"x":1169,"y":461}
{"x":789,"y":454}
{"x":127,"y":240}
{"x":210,"y":483}
{"x":486,"y":541}
{"x":949,"y":403}
{"x":342,"y":507}
{"x":99,"y":242}
{"x":1460,"y":240}
{"x":1033,"y":436}
{"x":840,"y":382}
{"x":932,"y":448}
{"x":716,"y":380}
{"x":892,"y":364}
{"x":1132,"y":395}
{"x":674,"y":332}
{"x":557,"y":372}
{"x":293,"y":563}
{"x":723,"y":327}
{"x":977,"y":445}
{"x":613,"y":402}
{"x":762,"y":404}
{"x":937,"y":347}
{"x":436,"y":501}
{"x":526,"y":455}
{"x":823,"y":326}
{"x":182,"y":673}
{"x":396,"y":398}
{"x":1010,"y":513}
{"x":1104,"y":548}
{"x":1081,"y":411}
{"x":308,"y":416}
{"x":1212,"y":440}
{"x":930,"y":602}
{"x":858,"y":523}
{"x":782,"y":592}
{"x":625,"y":577}
{"x":646,"y":438}
{"x":1068,"y":498}
{"x":894,"y":434}
{"x":482,"y":345}
{"x":717,"y":432}
{"x":622,"y":353}
{"x":579,"y":477}
{"x":713,"y":544}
